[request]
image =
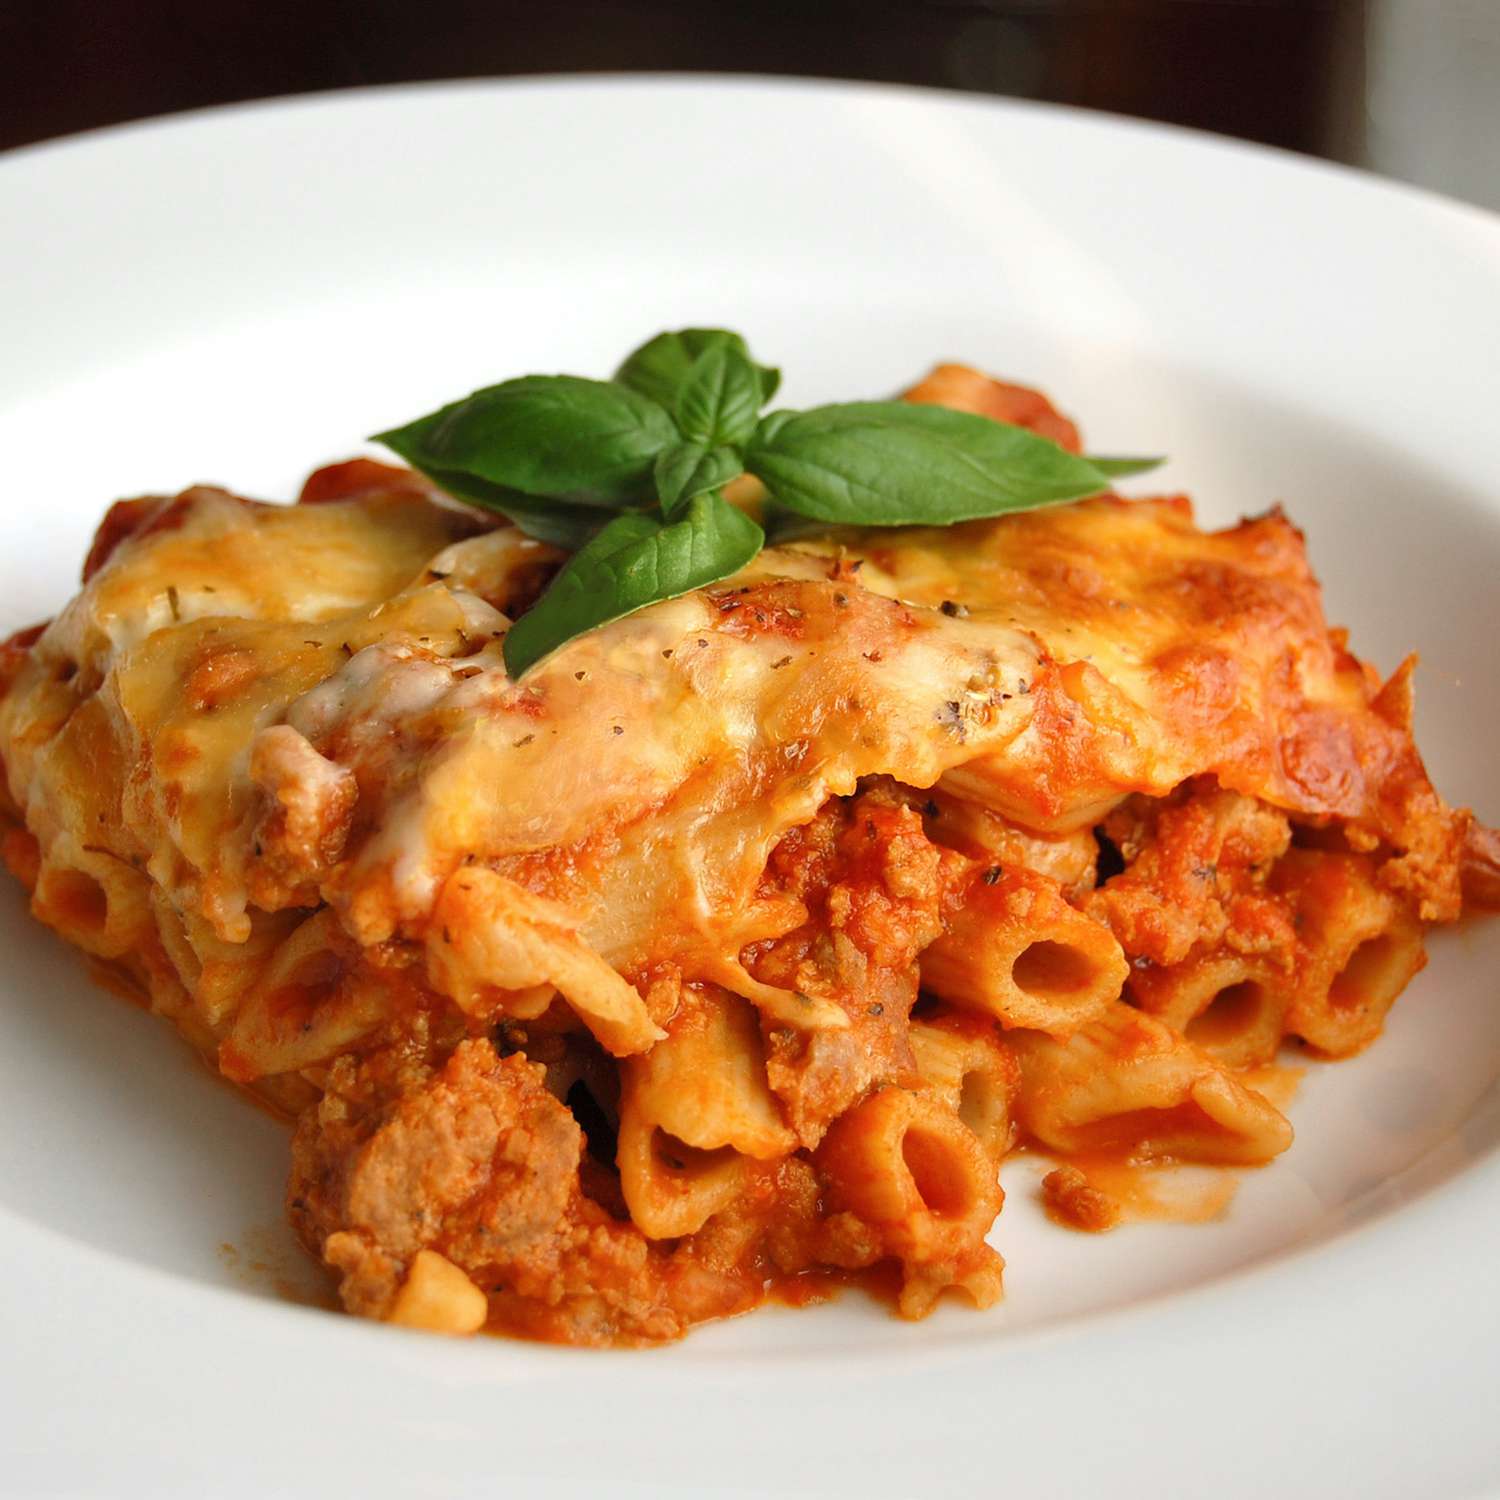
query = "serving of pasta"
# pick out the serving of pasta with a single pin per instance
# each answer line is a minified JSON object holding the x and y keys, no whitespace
{"x":742,"y":938}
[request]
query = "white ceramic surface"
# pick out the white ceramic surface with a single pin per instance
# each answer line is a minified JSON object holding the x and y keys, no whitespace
{"x":239,"y":296}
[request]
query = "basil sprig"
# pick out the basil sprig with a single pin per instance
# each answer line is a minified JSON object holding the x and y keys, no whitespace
{"x":628,"y":474}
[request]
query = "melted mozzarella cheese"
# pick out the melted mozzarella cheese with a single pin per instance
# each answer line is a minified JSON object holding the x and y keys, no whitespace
{"x":1044,"y":665}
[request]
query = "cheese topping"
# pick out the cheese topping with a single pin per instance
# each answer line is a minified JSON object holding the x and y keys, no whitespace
{"x":1046,"y":665}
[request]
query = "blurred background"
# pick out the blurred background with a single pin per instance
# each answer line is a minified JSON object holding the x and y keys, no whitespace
{"x":1407,"y":87}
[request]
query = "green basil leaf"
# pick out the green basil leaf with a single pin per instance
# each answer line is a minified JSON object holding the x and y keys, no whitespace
{"x":564,"y":523}
{"x":543,"y":435}
{"x":634,"y":561}
{"x":771,"y":424}
{"x":892,"y":463}
{"x":692,"y":469}
{"x":1122,"y":468}
{"x":660,"y":366}
{"x":718,"y":400}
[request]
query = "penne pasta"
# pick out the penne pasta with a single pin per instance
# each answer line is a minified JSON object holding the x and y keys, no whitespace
{"x":1232,"y":1006}
{"x":693,"y":1111}
{"x":670,"y":1187}
{"x":1360,"y":948}
{"x":490,"y":936}
{"x":963,"y":1060}
{"x":1069,"y":858}
{"x":1018,"y":951}
{"x":906,"y":1165}
{"x":314,"y":1000}
{"x":93,"y":898}
{"x":1127,"y":1083}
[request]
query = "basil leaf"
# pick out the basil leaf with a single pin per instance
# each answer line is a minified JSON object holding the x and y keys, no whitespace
{"x":1121,"y":468}
{"x":771,"y":424}
{"x":660,"y":366}
{"x":718,"y":400}
{"x":564,"y":523}
{"x":543,"y":435}
{"x":692,"y":469}
{"x":635,"y":561}
{"x":892,"y":463}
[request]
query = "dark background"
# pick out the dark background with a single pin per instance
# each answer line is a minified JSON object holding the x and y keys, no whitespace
{"x":1287,"y":72}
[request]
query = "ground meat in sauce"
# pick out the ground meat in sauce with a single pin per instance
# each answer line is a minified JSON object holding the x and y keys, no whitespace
{"x":872,"y":883}
{"x":478,"y":1160}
